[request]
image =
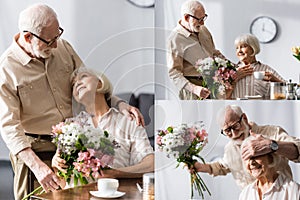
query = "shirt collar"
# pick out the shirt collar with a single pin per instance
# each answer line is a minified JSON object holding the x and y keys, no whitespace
{"x":183,"y":30}
{"x":20,"y":54}
{"x":278,"y":183}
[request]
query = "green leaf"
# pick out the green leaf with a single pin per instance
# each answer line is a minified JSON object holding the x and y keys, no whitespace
{"x":170,"y":129}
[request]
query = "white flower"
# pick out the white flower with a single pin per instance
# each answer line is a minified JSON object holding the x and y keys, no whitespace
{"x":221,"y":61}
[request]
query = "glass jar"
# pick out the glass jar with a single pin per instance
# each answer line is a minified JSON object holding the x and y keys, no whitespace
{"x":277,"y":91}
{"x":298,"y":92}
{"x":148,"y":186}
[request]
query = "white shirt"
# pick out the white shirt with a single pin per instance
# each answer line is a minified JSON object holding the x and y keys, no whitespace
{"x":282,"y":189}
{"x":133,"y":139}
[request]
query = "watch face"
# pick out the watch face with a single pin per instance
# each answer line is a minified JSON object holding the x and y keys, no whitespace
{"x":143,"y":3}
{"x":264,"y":28}
{"x":274,"y":146}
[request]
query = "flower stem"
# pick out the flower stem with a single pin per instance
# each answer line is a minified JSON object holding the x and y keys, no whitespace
{"x":33,"y":192}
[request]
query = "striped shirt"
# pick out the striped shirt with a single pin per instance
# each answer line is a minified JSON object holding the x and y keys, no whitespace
{"x":251,"y":87}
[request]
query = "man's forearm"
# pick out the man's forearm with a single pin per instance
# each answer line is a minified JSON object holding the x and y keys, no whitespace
{"x":288,"y":150}
{"x":29,"y":158}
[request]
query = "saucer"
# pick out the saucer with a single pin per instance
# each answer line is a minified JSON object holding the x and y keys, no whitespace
{"x":117,"y":194}
{"x":253,"y":97}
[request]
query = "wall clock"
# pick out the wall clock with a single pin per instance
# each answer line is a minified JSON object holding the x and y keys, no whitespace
{"x":264,"y":28}
{"x":143,"y":3}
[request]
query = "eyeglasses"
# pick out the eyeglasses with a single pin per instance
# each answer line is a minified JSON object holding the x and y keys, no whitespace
{"x":235,"y":127}
{"x":49,"y":43}
{"x":202,"y":19}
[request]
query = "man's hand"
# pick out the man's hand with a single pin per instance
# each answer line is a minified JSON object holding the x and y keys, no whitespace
{"x":256,"y":147}
{"x":199,"y":167}
{"x":45,"y":176}
{"x":201,"y":92}
{"x":132,"y":113}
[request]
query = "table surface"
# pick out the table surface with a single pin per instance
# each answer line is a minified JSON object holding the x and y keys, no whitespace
{"x":82,"y":192}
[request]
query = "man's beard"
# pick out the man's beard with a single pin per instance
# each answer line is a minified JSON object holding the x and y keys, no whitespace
{"x":41,"y":54}
{"x":245,"y":133}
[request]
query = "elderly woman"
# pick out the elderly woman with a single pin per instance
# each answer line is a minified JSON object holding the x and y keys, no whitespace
{"x":247,"y":47}
{"x":269,"y":184}
{"x":135,"y":155}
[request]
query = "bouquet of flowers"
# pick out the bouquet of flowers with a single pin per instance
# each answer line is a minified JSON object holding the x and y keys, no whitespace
{"x":86,"y":150}
{"x":184,"y":143}
{"x":296,"y":52}
{"x":218,"y":74}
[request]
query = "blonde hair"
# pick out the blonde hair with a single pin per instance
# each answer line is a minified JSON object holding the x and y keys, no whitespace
{"x":36,"y":17}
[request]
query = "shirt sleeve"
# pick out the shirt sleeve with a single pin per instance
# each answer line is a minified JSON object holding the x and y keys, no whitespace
{"x":218,"y":169}
{"x":175,"y":64}
{"x":10,"y":122}
{"x":283,"y":136}
{"x":140,"y":146}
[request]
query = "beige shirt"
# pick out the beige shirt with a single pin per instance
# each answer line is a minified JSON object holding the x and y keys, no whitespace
{"x":184,"y":50}
{"x":232,"y":160}
{"x":34,"y":95}
{"x":283,"y":188}
{"x":133,"y":139}
{"x":250,"y":86}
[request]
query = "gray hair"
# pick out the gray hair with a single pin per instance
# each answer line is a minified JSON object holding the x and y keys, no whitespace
{"x":190,"y":6}
{"x":221,"y":114}
{"x":106,"y":88}
{"x":274,"y":156}
{"x":250,"y":40}
{"x":36,"y":17}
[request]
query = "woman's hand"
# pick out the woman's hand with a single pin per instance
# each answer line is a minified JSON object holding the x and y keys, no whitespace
{"x":244,"y":71}
{"x":132,"y":113}
{"x":58,"y":163}
{"x":269,"y":76}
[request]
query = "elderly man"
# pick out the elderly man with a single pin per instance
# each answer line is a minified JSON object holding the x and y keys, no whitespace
{"x":35,"y":93}
{"x":235,"y":125}
{"x":189,"y":42}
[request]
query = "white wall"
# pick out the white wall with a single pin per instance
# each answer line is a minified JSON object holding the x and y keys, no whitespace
{"x":228,"y":19}
{"x":112,"y":36}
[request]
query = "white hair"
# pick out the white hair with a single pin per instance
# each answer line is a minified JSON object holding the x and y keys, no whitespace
{"x":36,"y":17}
{"x":106,"y":87}
{"x":189,"y":7}
{"x":221,"y":114}
{"x":250,"y":40}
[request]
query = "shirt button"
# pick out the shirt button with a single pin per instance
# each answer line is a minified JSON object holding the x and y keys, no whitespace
{"x":54,"y":89}
{"x":60,"y":107}
{"x":30,"y":87}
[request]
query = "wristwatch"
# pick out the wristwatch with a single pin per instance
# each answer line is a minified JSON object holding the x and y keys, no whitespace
{"x":274,"y":145}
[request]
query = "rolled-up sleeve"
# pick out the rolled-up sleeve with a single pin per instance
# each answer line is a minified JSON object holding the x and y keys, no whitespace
{"x":10,"y":122}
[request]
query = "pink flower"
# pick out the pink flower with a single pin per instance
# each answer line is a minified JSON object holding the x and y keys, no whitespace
{"x":158,"y":140}
{"x":57,"y":129}
{"x":83,"y":156}
{"x":202,"y":134}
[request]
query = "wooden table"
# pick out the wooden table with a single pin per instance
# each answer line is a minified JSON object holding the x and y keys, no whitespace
{"x":82,"y":192}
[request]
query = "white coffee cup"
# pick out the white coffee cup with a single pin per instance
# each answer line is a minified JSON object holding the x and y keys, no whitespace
{"x":259,"y":75}
{"x":108,"y":186}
